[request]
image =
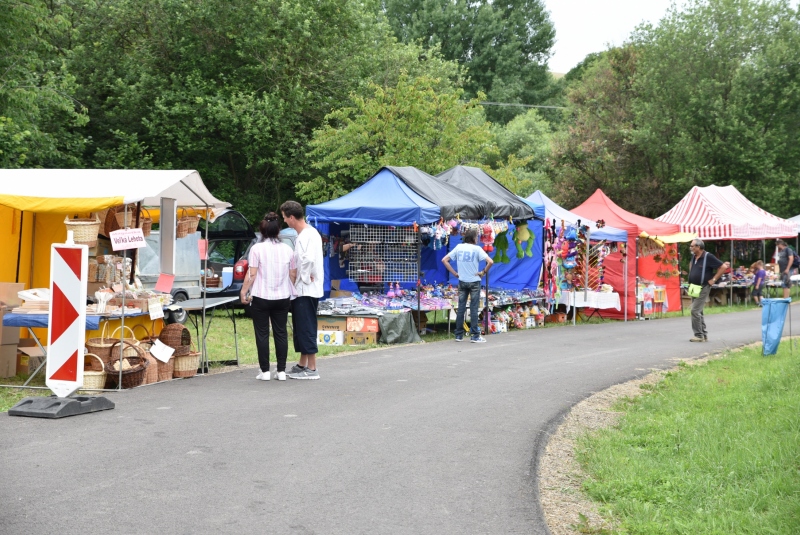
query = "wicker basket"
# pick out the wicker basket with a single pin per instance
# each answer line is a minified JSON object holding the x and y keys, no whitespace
{"x":94,"y":378}
{"x":151,"y":375}
{"x":146,"y":222}
{"x":126,"y":218}
{"x":101,"y":346}
{"x":186,"y":365}
{"x":187,"y":224}
{"x":84,"y":231}
{"x":166,"y":369}
{"x":133,"y":376}
{"x":209,"y":280}
{"x":146,"y":341}
{"x":178,"y":338}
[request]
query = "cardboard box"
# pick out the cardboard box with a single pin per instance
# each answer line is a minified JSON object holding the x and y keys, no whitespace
{"x":29,"y":356}
{"x":362,"y":325}
{"x":341,"y":293}
{"x":331,"y":323}
{"x":330,"y":338}
{"x":8,"y":335}
{"x":360,"y":338}
{"x":8,"y":360}
{"x":8,"y":294}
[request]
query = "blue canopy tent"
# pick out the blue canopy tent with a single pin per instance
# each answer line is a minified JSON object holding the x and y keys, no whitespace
{"x":382,"y":200}
{"x":558,"y":214}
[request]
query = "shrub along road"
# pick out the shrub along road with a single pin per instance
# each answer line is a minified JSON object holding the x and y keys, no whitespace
{"x":435,"y":438}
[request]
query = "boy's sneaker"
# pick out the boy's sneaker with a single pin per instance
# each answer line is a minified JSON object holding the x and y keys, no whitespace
{"x":280,"y":376}
{"x":305,"y":374}
{"x":459,"y":338}
{"x":478,"y":340}
{"x":264,"y":376}
{"x":296,"y":369}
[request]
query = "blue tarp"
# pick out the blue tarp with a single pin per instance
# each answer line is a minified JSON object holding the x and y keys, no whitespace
{"x":773,"y":316}
{"x":557,"y":214}
{"x":519,"y":273}
{"x":382,"y":200}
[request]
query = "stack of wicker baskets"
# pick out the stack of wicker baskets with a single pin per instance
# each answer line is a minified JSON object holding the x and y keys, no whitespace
{"x":209,"y":280}
{"x":179,"y":338}
{"x":157,"y":371}
{"x":187,"y":224}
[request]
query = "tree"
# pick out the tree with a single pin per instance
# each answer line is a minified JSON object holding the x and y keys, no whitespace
{"x":521,"y":156}
{"x":415,"y":123}
{"x":36,"y":91}
{"x":709,"y":96}
{"x":504,"y":45}
{"x":719,"y":99}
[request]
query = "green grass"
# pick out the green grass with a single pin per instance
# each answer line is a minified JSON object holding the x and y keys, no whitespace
{"x":711,"y":449}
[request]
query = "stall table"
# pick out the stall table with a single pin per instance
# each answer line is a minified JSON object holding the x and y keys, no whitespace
{"x":210,"y":303}
{"x":590,"y":299}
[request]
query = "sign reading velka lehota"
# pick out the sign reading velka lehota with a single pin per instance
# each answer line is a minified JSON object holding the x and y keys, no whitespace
{"x":129,"y":238}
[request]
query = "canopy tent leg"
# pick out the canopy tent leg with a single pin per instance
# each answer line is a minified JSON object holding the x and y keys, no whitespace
{"x":19,"y":243}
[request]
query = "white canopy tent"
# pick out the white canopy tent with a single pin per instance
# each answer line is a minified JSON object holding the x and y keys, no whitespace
{"x":89,"y":190}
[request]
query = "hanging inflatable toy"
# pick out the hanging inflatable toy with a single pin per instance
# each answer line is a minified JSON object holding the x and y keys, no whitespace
{"x":501,"y":244}
{"x":523,"y":234}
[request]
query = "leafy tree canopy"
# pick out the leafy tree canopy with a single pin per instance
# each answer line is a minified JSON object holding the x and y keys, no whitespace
{"x":504,"y":45}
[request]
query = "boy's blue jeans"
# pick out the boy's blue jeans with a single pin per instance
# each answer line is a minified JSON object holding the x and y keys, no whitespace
{"x":473,"y":291}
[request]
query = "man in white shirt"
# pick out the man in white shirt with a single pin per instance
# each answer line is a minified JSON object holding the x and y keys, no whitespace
{"x":468,"y":257}
{"x":308,"y":286}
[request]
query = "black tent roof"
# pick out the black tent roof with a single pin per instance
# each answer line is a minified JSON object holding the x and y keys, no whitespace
{"x":500,"y":202}
{"x":451,"y":200}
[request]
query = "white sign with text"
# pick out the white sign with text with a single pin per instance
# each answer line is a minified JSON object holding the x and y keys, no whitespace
{"x":128,"y":238}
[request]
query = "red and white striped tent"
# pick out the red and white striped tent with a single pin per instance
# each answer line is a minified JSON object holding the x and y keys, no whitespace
{"x":722,"y":213}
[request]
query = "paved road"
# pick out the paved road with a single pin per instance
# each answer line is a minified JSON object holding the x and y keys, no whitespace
{"x":438,"y":438}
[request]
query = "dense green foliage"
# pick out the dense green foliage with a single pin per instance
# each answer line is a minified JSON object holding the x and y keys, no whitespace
{"x":709,"y":96}
{"x":505,"y":45}
{"x":714,"y":449}
{"x":274,"y":99}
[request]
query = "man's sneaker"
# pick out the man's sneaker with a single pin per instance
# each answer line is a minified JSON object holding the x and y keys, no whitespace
{"x":478,"y":340}
{"x":459,"y":338}
{"x":697,"y":339}
{"x":264,"y":376}
{"x":280,"y":376}
{"x":305,"y":374}
{"x":296,"y":369}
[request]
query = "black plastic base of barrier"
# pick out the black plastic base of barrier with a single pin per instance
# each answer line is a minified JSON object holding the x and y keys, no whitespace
{"x":55,"y":407}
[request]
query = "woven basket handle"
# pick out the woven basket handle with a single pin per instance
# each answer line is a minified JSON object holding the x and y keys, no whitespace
{"x":133,"y":335}
{"x":102,"y":364}
{"x":148,"y":212}
{"x":141,"y":327}
{"x":139,"y":351}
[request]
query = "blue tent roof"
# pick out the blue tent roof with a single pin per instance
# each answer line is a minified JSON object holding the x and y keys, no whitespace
{"x":557,"y":214}
{"x":382,"y":200}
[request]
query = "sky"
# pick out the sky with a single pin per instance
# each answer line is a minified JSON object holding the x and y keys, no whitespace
{"x":585,"y":26}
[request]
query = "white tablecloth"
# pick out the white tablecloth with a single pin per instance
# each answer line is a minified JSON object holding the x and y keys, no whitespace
{"x":592,"y":300}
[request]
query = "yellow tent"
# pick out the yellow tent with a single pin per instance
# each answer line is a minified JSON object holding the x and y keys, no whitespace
{"x":34,"y":202}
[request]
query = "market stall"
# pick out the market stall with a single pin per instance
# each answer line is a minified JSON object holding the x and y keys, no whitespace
{"x":41,"y":204}
{"x":650,"y":253}
{"x":722,"y":213}
{"x":391,"y":233}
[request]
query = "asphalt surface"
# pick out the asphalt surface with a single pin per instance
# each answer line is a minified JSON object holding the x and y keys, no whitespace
{"x":434,"y":438}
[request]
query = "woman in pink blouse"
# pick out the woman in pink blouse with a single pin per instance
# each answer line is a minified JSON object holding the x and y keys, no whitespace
{"x":270,"y":283}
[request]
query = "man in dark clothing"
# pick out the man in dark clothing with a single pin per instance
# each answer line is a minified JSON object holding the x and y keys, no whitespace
{"x":785,"y":259}
{"x":714,"y":269}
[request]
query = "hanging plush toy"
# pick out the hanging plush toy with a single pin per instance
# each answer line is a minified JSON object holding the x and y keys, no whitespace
{"x":523,"y":235}
{"x":487,"y":238}
{"x":501,"y":244}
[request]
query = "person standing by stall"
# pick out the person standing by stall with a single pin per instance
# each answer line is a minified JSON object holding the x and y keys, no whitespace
{"x":785,"y":256}
{"x":705,"y":270}
{"x":268,"y":290}
{"x":308,"y":286}
{"x":468,"y":257}
{"x":758,"y":282}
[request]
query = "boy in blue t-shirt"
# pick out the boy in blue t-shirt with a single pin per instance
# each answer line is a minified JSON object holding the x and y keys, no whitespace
{"x":468,"y":257}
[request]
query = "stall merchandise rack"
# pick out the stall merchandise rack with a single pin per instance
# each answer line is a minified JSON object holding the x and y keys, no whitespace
{"x":384,"y":254}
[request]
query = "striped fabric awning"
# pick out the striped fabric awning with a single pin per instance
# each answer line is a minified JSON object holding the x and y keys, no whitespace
{"x":723,"y":213}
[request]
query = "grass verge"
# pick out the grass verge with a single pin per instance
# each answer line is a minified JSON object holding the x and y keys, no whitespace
{"x":713,"y":448}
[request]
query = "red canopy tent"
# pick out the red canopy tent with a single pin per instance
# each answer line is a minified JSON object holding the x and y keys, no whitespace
{"x":599,"y":206}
